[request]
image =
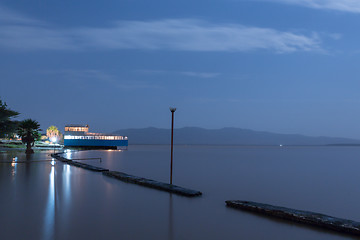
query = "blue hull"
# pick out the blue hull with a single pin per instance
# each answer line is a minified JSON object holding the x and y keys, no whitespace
{"x":94,"y":143}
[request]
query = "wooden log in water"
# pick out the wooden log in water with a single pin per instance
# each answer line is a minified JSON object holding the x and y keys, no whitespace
{"x":60,"y":158}
{"x":133,"y":179}
{"x":310,"y":218}
{"x":78,"y":164}
{"x":87,"y":166}
{"x":153,"y":184}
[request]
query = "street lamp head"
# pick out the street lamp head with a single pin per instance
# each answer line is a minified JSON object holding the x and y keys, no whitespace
{"x":172,"y":109}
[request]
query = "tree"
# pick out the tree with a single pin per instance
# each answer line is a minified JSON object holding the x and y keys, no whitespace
{"x":28,"y":130}
{"x":53,"y":132}
{"x":7,"y":124}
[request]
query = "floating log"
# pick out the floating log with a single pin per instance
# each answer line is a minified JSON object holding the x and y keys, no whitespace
{"x":132,"y":179}
{"x":310,"y":218}
{"x":78,"y":164}
{"x":152,"y":184}
{"x":60,"y":158}
{"x":87,"y":166}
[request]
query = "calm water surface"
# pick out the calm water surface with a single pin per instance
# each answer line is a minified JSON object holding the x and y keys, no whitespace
{"x":45,"y":200}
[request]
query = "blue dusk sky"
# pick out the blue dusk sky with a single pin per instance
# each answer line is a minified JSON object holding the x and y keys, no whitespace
{"x":285,"y":66}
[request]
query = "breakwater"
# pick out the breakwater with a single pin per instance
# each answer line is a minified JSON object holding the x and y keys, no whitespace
{"x":153,"y":184}
{"x":78,"y":164}
{"x":132,"y":179}
{"x":310,"y":218}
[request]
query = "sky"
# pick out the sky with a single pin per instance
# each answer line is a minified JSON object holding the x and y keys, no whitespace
{"x":284,"y":66}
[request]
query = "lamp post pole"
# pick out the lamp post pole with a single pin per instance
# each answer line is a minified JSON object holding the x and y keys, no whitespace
{"x":172,"y":110}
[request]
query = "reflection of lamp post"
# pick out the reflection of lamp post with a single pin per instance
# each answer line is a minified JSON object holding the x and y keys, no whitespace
{"x":172,"y":110}
{"x":53,"y":140}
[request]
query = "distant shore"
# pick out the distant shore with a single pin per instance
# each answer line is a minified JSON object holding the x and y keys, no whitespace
{"x":7,"y":147}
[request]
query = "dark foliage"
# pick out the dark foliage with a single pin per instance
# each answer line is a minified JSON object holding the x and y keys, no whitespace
{"x":7,"y":124}
{"x":28,"y":130}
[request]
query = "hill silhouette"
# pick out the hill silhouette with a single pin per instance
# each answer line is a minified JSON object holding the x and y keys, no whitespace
{"x":226,"y":136}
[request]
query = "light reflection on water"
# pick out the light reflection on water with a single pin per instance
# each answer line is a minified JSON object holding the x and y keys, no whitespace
{"x":49,"y":220}
{"x":171,"y":218}
{"x":67,"y":153}
{"x":66,"y":183}
{"x":14,"y":165}
{"x":63,"y":202}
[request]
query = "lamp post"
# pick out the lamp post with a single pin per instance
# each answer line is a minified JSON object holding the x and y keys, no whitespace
{"x":172,"y":110}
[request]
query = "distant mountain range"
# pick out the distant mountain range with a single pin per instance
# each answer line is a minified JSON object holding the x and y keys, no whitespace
{"x":225,"y":136}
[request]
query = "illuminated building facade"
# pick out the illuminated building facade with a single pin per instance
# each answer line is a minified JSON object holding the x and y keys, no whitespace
{"x":77,"y":128}
{"x":79,"y":136}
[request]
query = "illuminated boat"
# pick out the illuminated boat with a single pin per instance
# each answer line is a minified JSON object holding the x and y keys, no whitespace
{"x":78,"y":136}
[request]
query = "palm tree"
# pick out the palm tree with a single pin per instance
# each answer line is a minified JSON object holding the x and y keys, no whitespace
{"x":53,"y":132}
{"x":28,"y":131}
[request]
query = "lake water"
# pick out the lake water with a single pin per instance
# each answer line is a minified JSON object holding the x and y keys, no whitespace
{"x":47,"y":200}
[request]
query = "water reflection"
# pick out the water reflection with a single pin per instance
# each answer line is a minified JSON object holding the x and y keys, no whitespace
{"x":171,"y":218}
{"x":49,"y":220}
{"x":66,"y":183}
{"x":14,"y":160}
{"x":68,"y":153}
{"x":315,"y":179}
{"x":28,"y":157}
{"x":14,"y":165}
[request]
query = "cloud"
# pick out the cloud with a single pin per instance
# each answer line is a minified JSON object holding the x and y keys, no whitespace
{"x":86,"y":75}
{"x":194,"y":35}
{"x":200,"y":74}
{"x":184,"y":73}
{"x":17,"y":32}
{"x":339,"y":5}
{"x":7,"y":15}
{"x":82,"y":74}
{"x":21,"y":32}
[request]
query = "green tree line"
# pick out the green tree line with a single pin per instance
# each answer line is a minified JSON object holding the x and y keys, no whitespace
{"x":27,"y":129}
